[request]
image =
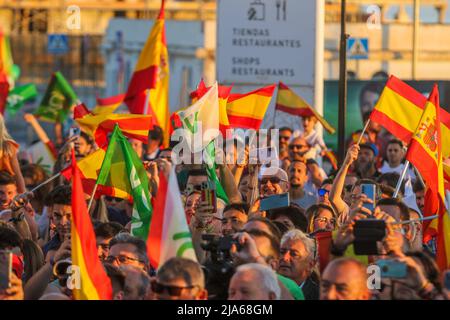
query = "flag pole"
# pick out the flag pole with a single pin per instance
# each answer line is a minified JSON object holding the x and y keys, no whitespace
{"x":92,"y":197}
{"x":414,"y":220}
{"x":45,"y":182}
{"x":364,"y":131}
{"x":147,"y":97}
{"x":400,"y":180}
{"x":419,"y":176}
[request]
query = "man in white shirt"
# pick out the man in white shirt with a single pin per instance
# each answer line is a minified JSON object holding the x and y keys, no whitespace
{"x":395,"y":153}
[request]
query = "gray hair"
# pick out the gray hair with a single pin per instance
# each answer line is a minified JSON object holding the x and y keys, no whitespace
{"x":126,"y":238}
{"x":267,"y":276}
{"x":298,"y":235}
{"x":186,"y":269}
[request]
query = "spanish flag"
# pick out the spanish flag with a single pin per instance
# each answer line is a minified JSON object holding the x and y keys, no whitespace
{"x":93,"y":282}
{"x":247,"y":110}
{"x":89,"y":168}
{"x":425,"y":152}
{"x":108,"y":105}
{"x":289,"y":102}
{"x":151,"y":76}
{"x":99,"y":125}
{"x":224,"y":93}
{"x":399,"y":110}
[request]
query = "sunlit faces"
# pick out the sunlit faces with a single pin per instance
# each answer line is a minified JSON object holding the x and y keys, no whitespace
{"x":298,"y":148}
{"x":61,"y":215}
{"x":294,"y":261}
{"x":7,"y":194}
{"x":308,"y":124}
{"x":394,"y":154}
{"x":298,"y":174}
{"x":233,"y":221}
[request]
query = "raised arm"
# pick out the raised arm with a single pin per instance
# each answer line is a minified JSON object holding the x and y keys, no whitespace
{"x":338,"y":184}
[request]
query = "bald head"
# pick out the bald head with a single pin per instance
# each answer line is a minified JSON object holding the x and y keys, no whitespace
{"x":344,"y":279}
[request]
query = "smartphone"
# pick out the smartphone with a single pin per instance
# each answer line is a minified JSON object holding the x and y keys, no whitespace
{"x":5,"y":268}
{"x":392,"y":269}
{"x":367,"y":233}
{"x":209,"y":196}
{"x":370,"y":191}
{"x":275,"y":201}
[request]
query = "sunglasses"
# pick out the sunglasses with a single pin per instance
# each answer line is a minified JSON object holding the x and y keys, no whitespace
{"x":110,"y":199}
{"x":322,"y":192}
{"x":273,"y":180}
{"x":284,"y":138}
{"x":173,"y":291}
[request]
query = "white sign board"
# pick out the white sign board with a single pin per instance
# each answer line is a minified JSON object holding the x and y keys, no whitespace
{"x":266,"y":41}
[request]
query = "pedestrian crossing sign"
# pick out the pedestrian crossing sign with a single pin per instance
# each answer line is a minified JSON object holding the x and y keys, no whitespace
{"x":358,"y":48}
{"x":57,"y":43}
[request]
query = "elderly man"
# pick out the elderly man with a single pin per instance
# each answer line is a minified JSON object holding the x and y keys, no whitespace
{"x":179,"y":279}
{"x":254,"y":281}
{"x":297,"y":261}
{"x":273,"y":180}
{"x":344,"y":279}
{"x":298,"y":177}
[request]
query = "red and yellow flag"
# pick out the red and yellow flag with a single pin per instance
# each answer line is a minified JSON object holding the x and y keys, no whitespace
{"x":289,"y":102}
{"x":425,"y":153}
{"x":93,"y":284}
{"x":99,"y":125}
{"x":151,"y":76}
{"x":89,"y":168}
{"x":399,"y":110}
{"x":247,"y":110}
{"x":224,"y":93}
{"x":108,"y":105}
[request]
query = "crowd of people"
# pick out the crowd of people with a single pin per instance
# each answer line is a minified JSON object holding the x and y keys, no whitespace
{"x":320,"y":243}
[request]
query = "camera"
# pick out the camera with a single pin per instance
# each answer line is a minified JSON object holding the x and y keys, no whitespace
{"x":219,"y":268}
{"x":367,"y":233}
{"x":60,"y":271}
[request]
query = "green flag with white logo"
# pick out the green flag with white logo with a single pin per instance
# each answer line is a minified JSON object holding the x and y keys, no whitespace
{"x":56,"y":103}
{"x":122,"y":168}
{"x":18,"y":96}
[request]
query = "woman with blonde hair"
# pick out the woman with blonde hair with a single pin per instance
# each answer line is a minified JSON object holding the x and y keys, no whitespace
{"x":8,"y":156}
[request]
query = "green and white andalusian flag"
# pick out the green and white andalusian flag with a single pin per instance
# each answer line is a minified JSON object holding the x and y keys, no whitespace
{"x":169,"y":232}
{"x":123,"y":168}
{"x":18,"y":96}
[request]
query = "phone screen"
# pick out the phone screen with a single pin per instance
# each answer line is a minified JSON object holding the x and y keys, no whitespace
{"x":370,"y":191}
{"x":275,"y":201}
{"x":5,"y":268}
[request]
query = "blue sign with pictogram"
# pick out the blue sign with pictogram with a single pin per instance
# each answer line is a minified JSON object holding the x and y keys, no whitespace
{"x":57,"y":43}
{"x":358,"y":48}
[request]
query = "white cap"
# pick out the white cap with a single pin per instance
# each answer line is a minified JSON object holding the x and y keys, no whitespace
{"x":273,"y":171}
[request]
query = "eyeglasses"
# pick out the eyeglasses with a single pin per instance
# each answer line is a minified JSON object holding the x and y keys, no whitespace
{"x":297,"y":146}
{"x":121,"y":259}
{"x":273,"y":180}
{"x":284,"y":138}
{"x":322,"y":192}
{"x":326,"y":220}
{"x":173,"y":291}
{"x":110,"y":199}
